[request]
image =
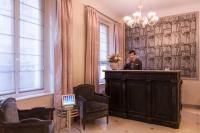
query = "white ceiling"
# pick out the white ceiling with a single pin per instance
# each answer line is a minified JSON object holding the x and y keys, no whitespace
{"x":127,"y":7}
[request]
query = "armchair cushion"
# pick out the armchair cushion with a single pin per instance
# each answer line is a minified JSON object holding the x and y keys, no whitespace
{"x":93,"y":106}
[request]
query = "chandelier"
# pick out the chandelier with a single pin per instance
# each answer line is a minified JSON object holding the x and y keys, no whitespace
{"x":138,"y":20}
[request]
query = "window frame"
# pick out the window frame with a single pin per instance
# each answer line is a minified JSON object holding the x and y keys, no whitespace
{"x":45,"y":57}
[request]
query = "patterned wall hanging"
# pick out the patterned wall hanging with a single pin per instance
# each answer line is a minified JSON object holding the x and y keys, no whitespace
{"x":172,"y":43}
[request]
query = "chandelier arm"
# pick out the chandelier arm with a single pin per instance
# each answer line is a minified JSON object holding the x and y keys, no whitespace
{"x":139,"y":20}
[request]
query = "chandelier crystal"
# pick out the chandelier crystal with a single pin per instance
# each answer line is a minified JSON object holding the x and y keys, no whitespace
{"x":138,"y":20}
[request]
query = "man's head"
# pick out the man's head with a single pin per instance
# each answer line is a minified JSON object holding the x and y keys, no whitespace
{"x":131,"y":55}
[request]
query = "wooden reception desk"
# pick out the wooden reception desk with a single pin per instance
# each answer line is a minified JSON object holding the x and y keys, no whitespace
{"x":152,"y":96}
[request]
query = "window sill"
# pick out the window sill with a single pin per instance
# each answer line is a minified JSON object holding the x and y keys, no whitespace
{"x":29,"y":95}
{"x":34,"y":96}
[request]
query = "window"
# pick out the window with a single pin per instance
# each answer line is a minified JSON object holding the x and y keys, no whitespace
{"x":21,"y":49}
{"x":103,"y":52}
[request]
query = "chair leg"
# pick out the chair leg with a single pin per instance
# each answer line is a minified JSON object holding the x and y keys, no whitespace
{"x":107,"y":118}
{"x":83,"y":124}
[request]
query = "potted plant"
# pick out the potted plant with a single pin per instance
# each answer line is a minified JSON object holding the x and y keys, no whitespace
{"x":114,"y":61}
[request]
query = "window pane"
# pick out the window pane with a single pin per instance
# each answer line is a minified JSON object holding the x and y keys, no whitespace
{"x":6,"y":25}
{"x":29,"y":46}
{"x":103,"y":52}
{"x":29,"y":30}
{"x":7,"y":7}
{"x":30,"y":14}
{"x":103,"y":29}
{"x":7,"y":44}
{"x":7,"y":82}
{"x":30,"y":63}
{"x":31,"y":80}
{"x":103,"y":56}
{"x":7,"y":62}
{"x":102,"y":74}
{"x":33,"y":3}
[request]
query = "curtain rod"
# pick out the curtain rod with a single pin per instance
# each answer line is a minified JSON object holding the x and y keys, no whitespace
{"x":103,"y":14}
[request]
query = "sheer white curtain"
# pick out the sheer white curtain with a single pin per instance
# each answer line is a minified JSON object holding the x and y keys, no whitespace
{"x":59,"y":37}
{"x":50,"y":40}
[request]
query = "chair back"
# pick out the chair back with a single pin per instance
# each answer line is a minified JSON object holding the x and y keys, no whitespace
{"x":85,"y":90}
{"x":9,"y":111}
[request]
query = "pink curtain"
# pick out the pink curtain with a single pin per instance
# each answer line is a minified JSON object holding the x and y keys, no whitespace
{"x":63,"y":52}
{"x":92,"y":47}
{"x":118,"y":41}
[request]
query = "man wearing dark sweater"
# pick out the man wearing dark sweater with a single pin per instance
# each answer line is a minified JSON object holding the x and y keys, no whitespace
{"x":133,"y":62}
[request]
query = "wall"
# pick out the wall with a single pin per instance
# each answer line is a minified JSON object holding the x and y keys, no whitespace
{"x":79,"y":35}
{"x":191,"y":88}
{"x":42,"y":101}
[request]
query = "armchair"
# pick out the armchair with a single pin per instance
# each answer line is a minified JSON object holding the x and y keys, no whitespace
{"x":92,"y":105}
{"x":12,"y":120}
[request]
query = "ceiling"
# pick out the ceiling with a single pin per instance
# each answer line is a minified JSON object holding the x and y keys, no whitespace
{"x":127,"y":7}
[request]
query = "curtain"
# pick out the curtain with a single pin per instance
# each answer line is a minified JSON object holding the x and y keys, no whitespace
{"x":118,"y":42}
{"x":92,"y":47}
{"x":63,"y":52}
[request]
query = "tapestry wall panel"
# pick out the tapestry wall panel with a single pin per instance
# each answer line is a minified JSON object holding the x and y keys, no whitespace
{"x":170,"y":44}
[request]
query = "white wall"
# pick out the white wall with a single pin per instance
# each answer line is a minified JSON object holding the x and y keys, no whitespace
{"x":191,"y":88}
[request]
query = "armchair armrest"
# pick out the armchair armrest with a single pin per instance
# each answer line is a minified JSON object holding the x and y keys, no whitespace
{"x":101,"y":98}
{"x":103,"y":95}
{"x":81,"y":102}
{"x":80,"y":98}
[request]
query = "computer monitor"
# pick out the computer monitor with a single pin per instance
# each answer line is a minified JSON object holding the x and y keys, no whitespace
{"x":68,"y":100}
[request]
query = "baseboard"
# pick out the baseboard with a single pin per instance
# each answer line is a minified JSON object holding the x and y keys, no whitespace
{"x":191,"y":106}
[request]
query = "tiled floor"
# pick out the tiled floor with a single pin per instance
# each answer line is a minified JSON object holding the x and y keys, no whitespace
{"x":190,"y":123}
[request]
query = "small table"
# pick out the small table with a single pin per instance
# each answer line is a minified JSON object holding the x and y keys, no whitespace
{"x":68,"y":113}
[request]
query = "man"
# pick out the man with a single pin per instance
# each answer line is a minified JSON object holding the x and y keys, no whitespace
{"x":133,"y":62}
